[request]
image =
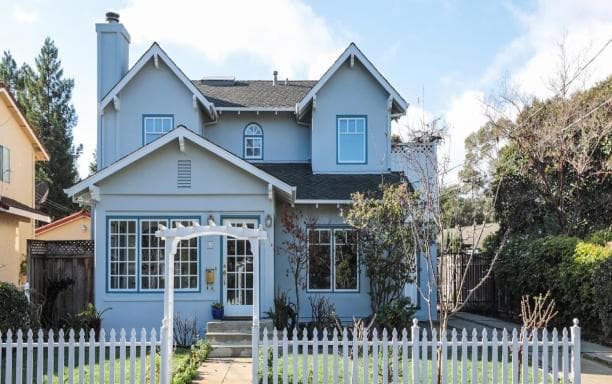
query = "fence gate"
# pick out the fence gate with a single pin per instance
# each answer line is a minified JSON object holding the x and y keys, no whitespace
{"x":52,"y":264}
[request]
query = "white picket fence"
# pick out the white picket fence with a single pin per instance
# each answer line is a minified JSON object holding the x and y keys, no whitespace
{"x":500,"y":357}
{"x":79,"y":358}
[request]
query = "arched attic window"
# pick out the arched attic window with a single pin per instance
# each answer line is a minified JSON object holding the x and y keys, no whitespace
{"x":253,"y":142}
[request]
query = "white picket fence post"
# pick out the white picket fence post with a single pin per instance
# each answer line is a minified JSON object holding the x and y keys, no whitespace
{"x":22,"y":357}
{"x":519,"y":356}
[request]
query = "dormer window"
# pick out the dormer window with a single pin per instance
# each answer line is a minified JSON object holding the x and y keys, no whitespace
{"x":155,"y":126}
{"x":351,"y":139}
{"x":253,"y":142}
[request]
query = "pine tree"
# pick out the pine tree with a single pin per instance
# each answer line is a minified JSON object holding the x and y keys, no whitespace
{"x":45,"y":97}
{"x":9,"y":73}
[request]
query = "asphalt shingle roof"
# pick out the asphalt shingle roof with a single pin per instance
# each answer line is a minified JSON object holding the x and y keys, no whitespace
{"x":326,"y":186}
{"x":254,"y":93}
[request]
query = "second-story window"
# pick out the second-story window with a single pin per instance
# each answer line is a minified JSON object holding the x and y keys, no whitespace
{"x":253,"y":142}
{"x":351,"y":139}
{"x":154,"y":126}
{"x":5,"y":164}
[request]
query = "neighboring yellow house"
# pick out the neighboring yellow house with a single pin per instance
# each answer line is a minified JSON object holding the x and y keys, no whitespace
{"x":73,"y":227}
{"x":20,"y":149}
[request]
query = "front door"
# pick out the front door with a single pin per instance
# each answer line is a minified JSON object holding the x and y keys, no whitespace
{"x":238,"y":272}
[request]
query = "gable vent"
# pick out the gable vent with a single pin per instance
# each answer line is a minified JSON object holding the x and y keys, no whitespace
{"x":183,"y":175}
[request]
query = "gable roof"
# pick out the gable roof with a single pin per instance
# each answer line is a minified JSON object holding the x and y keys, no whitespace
{"x":352,"y":52}
{"x":257,"y":94}
{"x":155,"y":52}
{"x":336,"y":187}
{"x":41,"y":153}
{"x":179,"y":133}
{"x":63,"y":221}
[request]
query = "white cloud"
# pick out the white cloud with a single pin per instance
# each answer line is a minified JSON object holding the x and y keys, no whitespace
{"x":24,"y":16}
{"x":532,"y":58}
{"x":465,"y":115}
{"x":286,"y":34}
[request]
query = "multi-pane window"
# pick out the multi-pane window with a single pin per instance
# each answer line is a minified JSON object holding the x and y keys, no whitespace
{"x":151,"y":255}
{"x":332,"y":259}
{"x":122,"y":254}
{"x":186,"y":261}
{"x":155,"y":126}
{"x":5,"y":164}
{"x":253,"y":142}
{"x":352,"y":139}
{"x":345,"y":259}
{"x":133,"y":242}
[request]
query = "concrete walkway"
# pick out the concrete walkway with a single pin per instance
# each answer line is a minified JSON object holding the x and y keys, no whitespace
{"x":596,"y":359}
{"x":235,"y":370}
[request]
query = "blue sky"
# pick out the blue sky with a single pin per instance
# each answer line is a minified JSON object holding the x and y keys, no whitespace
{"x":456,"y":52}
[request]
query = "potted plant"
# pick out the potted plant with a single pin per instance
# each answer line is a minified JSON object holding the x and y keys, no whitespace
{"x":217,"y":311}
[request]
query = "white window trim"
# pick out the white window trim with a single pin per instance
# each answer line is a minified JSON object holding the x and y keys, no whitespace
{"x":364,"y":134}
{"x":108,"y":263}
{"x":138,"y":256}
{"x":332,"y":245}
{"x":259,"y":136}
{"x":155,"y":117}
{"x":197,"y":275}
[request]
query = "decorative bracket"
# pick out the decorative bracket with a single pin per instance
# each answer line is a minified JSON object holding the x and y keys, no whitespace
{"x":116,"y":103}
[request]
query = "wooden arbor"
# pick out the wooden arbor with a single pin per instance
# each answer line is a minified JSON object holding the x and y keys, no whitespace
{"x":172,"y":237}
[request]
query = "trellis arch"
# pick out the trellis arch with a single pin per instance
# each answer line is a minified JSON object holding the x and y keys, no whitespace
{"x":172,"y":236}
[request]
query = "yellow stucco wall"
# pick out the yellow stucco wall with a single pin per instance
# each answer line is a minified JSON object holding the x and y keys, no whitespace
{"x":14,"y":231}
{"x":70,"y":231}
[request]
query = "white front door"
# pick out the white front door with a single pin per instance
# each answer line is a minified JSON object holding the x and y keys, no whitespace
{"x":238,"y":272}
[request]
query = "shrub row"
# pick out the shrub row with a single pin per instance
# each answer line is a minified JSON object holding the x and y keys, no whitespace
{"x":186,"y":372}
{"x":577,"y":272}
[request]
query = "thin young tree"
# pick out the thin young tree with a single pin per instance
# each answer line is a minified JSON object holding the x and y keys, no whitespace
{"x":295,"y":227}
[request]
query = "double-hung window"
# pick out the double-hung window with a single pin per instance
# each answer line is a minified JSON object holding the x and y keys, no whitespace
{"x":253,"y":142}
{"x":351,"y":139}
{"x":332,"y":260}
{"x":136,"y":256}
{"x":155,"y":126}
{"x":5,"y":164}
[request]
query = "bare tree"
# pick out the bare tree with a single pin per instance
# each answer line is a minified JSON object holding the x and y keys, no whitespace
{"x":295,"y":226}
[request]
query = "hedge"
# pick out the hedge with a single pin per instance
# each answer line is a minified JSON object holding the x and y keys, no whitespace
{"x":578,"y":274}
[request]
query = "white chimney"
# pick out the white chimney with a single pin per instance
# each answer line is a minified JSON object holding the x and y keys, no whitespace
{"x":113,"y":53}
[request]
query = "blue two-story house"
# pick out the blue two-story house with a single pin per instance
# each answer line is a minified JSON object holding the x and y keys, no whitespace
{"x":175,"y":150}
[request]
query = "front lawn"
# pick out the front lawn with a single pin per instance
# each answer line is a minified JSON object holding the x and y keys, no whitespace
{"x":180,"y":357}
{"x":331,"y":371}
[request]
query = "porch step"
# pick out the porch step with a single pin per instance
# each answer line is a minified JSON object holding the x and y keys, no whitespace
{"x":220,"y":350}
{"x":232,"y":338}
{"x":229,"y":338}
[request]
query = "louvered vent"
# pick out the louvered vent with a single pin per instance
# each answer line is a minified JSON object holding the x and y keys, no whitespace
{"x":183,"y":176}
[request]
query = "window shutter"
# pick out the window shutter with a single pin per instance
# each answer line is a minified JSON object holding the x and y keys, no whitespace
{"x":183,"y":179}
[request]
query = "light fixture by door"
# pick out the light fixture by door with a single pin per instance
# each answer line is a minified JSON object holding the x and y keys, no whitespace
{"x":268,"y":221}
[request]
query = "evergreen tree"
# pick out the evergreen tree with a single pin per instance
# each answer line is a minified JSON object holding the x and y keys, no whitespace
{"x":45,"y":97}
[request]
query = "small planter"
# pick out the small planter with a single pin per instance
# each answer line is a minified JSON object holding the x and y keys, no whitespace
{"x":217,"y":313}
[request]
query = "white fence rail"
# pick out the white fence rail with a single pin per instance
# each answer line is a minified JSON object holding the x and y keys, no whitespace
{"x":487,"y":357}
{"x":41,"y":357}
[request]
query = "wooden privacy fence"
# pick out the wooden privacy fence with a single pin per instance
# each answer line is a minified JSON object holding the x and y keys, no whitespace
{"x":52,"y":261}
{"x":498,"y":357}
{"x":453,"y":268}
{"x":43,"y":357}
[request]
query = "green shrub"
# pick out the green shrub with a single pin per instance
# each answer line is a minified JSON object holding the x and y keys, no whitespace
{"x":571,"y":269}
{"x":602,"y":294}
{"x":397,"y":314}
{"x":601,"y":237}
{"x":283,"y":312}
{"x":15,"y":309}
{"x":186,"y":372}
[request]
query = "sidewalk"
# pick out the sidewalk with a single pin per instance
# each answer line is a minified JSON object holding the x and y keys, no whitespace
{"x":236,"y":370}
{"x":596,"y":359}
